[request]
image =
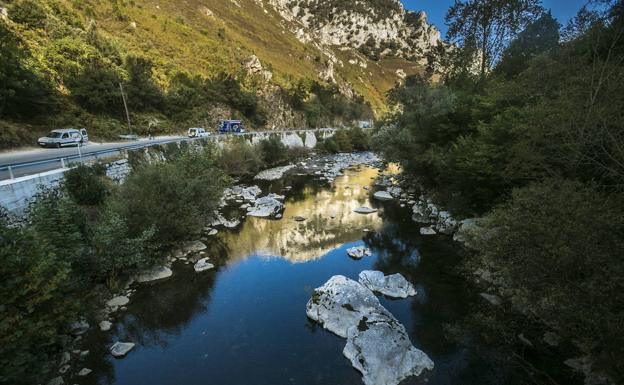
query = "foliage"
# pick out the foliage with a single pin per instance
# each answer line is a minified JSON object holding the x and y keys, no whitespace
{"x":143,"y":93}
{"x":85,"y":185}
{"x":23,"y":90}
{"x":174,"y":198}
{"x":484,"y":27}
{"x":28,"y":12}
{"x":274,"y":152}
{"x":37,"y":303}
{"x":555,"y":239}
{"x":240,"y":159}
{"x":346,"y":140}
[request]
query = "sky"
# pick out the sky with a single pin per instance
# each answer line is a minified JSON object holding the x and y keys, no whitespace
{"x":562,"y":10}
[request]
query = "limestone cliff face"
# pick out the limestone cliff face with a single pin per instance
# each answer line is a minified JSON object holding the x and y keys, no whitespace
{"x":377,"y":28}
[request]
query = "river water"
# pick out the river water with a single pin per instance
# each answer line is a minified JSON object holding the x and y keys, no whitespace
{"x":245,"y":323}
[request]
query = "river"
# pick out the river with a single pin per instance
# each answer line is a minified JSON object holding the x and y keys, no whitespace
{"x":245,"y":321}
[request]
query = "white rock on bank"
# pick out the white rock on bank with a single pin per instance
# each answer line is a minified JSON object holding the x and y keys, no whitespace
{"x":116,"y":302}
{"x":365,"y":210}
{"x":427,"y":231}
{"x":84,"y":372}
{"x":105,"y":326}
{"x":120,"y":349}
{"x":203,"y":265}
{"x":394,"y":285}
{"x":274,"y":173}
{"x":359,"y":252}
{"x":383,"y":196}
{"x":340,"y":304}
{"x":154,"y":274}
{"x":379,"y":347}
{"x":193,"y":247}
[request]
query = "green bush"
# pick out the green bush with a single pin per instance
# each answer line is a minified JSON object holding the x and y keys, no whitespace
{"x":28,"y":12}
{"x":240,"y":159}
{"x":37,"y":302}
{"x":557,"y":247}
{"x":175,"y":198}
{"x":274,"y":152}
{"x":85,"y":185}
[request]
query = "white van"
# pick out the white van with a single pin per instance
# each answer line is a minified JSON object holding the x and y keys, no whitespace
{"x":63,"y":138}
{"x":197,"y":133}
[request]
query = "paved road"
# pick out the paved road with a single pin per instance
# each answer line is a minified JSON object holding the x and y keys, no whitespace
{"x":49,"y":157}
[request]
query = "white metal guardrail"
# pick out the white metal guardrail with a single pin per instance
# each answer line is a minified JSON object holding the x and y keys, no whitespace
{"x":13,"y":170}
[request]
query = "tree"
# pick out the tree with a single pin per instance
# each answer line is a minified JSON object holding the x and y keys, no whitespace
{"x":143,"y":93}
{"x":483,"y":28}
{"x":539,"y":36}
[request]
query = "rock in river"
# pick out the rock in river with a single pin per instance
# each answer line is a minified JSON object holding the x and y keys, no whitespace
{"x":340,"y":304}
{"x":365,"y":210}
{"x":380,"y":349}
{"x":120,"y":349}
{"x":156,"y":273}
{"x":203,"y":265}
{"x":394,"y":285}
{"x":265,"y":207}
{"x":116,"y":302}
{"x":359,"y":252}
{"x":383,"y":196}
{"x":427,"y":231}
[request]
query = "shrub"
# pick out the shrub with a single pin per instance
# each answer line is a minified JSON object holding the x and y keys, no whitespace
{"x":558,"y":248}
{"x":28,"y":12}
{"x":85,"y":186}
{"x":175,"y":198}
{"x":273,"y":151}
{"x":114,"y":251}
{"x":240,"y":159}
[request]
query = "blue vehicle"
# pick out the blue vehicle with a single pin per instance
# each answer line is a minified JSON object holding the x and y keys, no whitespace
{"x":231,"y":127}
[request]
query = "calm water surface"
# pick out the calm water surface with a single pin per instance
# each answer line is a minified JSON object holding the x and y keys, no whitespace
{"x":245,"y":323}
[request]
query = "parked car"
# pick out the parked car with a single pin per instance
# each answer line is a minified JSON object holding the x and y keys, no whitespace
{"x":197,"y":133}
{"x":231,"y":126}
{"x":64,"y":137}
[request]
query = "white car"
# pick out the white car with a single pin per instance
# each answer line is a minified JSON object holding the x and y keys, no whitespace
{"x":63,"y":138}
{"x":197,"y":133}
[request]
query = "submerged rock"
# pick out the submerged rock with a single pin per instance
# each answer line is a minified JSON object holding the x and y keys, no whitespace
{"x":379,"y":347}
{"x":340,"y":304}
{"x":273,"y":173}
{"x":154,"y":274}
{"x":203,"y":265}
{"x":383,"y":196}
{"x":394,"y":285}
{"x":299,"y":218}
{"x":84,"y":372}
{"x":365,"y":210}
{"x":359,"y":252}
{"x":120,"y":349}
{"x":492,"y":298}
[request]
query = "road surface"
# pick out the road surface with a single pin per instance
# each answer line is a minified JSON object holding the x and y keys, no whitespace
{"x":46,"y":159}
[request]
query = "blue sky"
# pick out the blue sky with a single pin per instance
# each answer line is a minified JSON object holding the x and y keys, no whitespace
{"x":436,"y":9}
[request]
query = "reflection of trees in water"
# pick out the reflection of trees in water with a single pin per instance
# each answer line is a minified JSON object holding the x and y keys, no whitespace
{"x":330,"y":222}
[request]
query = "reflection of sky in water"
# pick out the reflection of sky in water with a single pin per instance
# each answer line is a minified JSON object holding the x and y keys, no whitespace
{"x":330,"y":223}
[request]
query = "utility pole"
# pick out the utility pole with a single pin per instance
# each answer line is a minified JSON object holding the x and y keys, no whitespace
{"x":123,"y":96}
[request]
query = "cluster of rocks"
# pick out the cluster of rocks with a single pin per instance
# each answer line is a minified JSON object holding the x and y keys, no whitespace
{"x":270,"y":206}
{"x":118,"y":170}
{"x":274,"y":173}
{"x":432,"y":219}
{"x":377,"y":343}
{"x":332,"y":166}
{"x":359,"y":252}
{"x":72,"y":356}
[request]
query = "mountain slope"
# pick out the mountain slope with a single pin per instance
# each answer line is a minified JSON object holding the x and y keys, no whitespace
{"x":285,"y":70}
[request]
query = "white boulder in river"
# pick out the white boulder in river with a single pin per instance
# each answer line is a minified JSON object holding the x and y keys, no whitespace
{"x":380,"y":349}
{"x":340,"y":303}
{"x":203,"y":265}
{"x":267,"y":206}
{"x":365,"y":210}
{"x":377,"y":344}
{"x":383,"y":196}
{"x":394,"y":285}
{"x":359,"y":252}
{"x":120,"y":349}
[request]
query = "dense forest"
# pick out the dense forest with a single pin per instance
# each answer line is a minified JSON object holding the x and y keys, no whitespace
{"x":525,"y":130}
